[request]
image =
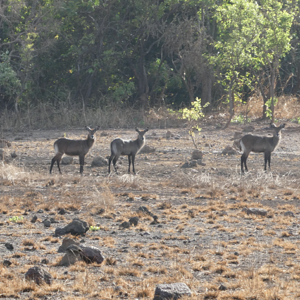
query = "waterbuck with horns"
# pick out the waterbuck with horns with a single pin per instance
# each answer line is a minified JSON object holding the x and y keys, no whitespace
{"x":254,"y":143}
{"x":73,"y":148}
{"x":130,"y":148}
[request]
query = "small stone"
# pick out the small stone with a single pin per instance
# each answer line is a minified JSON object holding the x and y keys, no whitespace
{"x":33,"y":220}
{"x":13,"y":155}
{"x":40,"y":211}
{"x":47,"y":223}
{"x":45,"y":261}
{"x":248,"y":128}
{"x":168,"y":134}
{"x":38,"y":275}
{"x":289,"y":214}
{"x":125,"y":225}
{"x":222,"y":287}
{"x":6,"y":263}
{"x":9,"y":246}
{"x":197,"y":154}
{"x":228,"y":150}
{"x":255,"y":211}
{"x":171,"y":291}
{"x":62,"y":211}
{"x":147,"y":149}
{"x":134,"y":221}
{"x":99,"y":161}
{"x":67,"y":160}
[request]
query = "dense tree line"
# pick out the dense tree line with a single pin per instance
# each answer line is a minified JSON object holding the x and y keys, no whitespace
{"x":146,"y":53}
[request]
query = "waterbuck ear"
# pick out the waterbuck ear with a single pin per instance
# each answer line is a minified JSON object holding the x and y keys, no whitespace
{"x":282,"y":125}
{"x":272,"y":125}
{"x":136,"y":129}
{"x":96,"y":128}
{"x":88,"y":128}
{"x":146,"y":129}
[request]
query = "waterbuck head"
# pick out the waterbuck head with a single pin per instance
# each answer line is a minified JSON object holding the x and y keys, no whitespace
{"x":276,"y":129}
{"x":141,"y":133}
{"x":91,"y":131}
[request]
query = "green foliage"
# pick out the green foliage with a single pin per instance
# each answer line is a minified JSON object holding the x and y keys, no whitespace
{"x":16,"y":219}
{"x":240,"y":119}
{"x":193,"y":115}
{"x":8,"y":77}
{"x":94,"y":228}
{"x":269,"y":107}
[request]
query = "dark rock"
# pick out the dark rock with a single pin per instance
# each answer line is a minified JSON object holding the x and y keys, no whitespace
{"x":76,"y":227}
{"x":40,"y":211}
{"x":13,"y":154}
{"x":6,"y":263}
{"x":255,"y":211}
{"x":289,"y":214}
{"x":47,"y":223}
{"x":66,"y":243}
{"x":145,"y":210}
{"x":92,"y":254}
{"x":33,"y":220}
{"x":52,"y":220}
{"x":125,"y":225}
{"x":79,"y":253}
{"x":99,"y":161}
{"x":171,"y":291}
{"x":62,"y":211}
{"x":134,"y":221}
{"x":222,"y":287}
{"x":147,"y":149}
{"x":67,"y":160}
{"x":189,"y":164}
{"x":38,"y":275}
{"x":168,"y":134}
{"x":45,"y":261}
{"x":4,"y":143}
{"x":197,"y":154}
{"x":9,"y":246}
{"x":248,"y":128}
{"x":229,"y":151}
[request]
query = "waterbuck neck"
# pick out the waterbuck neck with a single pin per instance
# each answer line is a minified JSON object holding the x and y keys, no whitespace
{"x":90,"y":141}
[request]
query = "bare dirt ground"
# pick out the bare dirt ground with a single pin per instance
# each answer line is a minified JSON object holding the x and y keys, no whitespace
{"x":202,"y":237}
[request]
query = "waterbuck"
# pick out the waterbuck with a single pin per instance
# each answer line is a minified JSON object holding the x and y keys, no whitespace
{"x":73,"y":148}
{"x":130,"y":148}
{"x":254,"y":143}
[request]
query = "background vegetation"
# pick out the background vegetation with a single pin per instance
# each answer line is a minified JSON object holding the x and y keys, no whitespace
{"x":75,"y":61}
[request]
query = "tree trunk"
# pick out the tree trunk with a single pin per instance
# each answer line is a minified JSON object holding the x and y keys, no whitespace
{"x":265,"y":98}
{"x":206,"y":90}
{"x":231,"y":105}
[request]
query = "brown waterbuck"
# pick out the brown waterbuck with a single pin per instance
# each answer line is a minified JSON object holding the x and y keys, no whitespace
{"x":130,"y":148}
{"x":255,"y":143}
{"x":73,"y":148}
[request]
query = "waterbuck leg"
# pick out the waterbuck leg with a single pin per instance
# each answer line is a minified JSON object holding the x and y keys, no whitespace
{"x":52,"y":163}
{"x":243,"y":162}
{"x":81,"y":162}
{"x":129,"y":163}
{"x":267,"y":160}
{"x":133,"y":158}
{"x":109,"y":162}
{"x":58,"y":161}
{"x":115,"y":161}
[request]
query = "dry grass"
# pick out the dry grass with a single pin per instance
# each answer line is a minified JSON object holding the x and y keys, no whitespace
{"x":201,"y":238}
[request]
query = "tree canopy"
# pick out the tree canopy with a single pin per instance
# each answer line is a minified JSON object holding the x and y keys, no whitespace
{"x":147,"y":53}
